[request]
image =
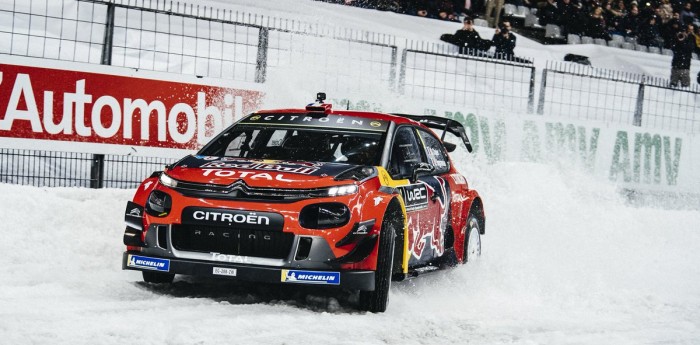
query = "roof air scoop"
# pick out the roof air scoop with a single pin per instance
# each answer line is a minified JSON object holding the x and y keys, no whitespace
{"x":319,"y":108}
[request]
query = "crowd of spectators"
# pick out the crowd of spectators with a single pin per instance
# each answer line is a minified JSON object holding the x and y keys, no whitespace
{"x":449,"y":10}
{"x":655,"y":23}
{"x":669,"y":24}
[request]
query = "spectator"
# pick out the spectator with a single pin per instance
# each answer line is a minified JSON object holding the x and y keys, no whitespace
{"x":620,"y":8}
{"x":549,"y":14}
{"x":493,"y":11}
{"x":504,"y":41}
{"x":664,"y":11}
{"x":670,"y":29}
{"x":683,"y":47}
{"x":612,"y":16}
{"x":649,"y":34}
{"x":570,"y":20}
{"x":687,"y":14}
{"x":630,"y":24}
{"x":467,"y":39}
{"x":597,"y":27}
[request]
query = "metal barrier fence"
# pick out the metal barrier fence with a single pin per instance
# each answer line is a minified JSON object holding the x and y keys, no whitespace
{"x":183,"y":38}
{"x":440,"y":75}
{"x":70,"y":169}
{"x":582,"y":92}
{"x":70,"y":31}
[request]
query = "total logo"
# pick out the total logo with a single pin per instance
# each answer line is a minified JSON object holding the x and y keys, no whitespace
{"x":243,"y":174}
{"x":310,"y":277}
{"x":148,"y":263}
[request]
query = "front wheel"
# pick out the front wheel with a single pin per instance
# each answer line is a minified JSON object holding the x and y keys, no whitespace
{"x":472,"y":240}
{"x":157,"y":277}
{"x":376,"y":301}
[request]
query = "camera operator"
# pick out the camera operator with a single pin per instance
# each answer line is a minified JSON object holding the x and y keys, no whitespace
{"x":504,"y":41}
{"x":468,"y":39}
{"x":683,"y":47}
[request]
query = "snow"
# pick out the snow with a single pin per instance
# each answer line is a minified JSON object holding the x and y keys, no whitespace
{"x":566,"y":260}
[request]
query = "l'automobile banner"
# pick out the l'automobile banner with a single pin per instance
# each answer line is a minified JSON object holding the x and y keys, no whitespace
{"x":73,"y":103}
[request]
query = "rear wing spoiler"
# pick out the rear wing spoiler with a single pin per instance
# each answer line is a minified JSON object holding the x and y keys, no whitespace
{"x":444,"y":124}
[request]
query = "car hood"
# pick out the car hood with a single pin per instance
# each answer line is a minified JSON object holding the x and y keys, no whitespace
{"x":258,"y":172}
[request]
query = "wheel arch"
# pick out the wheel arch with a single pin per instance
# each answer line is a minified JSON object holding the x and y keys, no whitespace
{"x":477,"y":208}
{"x":395,"y":214}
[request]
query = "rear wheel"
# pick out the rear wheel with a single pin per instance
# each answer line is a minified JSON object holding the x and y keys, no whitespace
{"x":472,"y":240}
{"x":376,"y":301}
{"x":157,"y":277}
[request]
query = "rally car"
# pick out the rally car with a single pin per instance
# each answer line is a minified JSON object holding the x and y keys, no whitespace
{"x":313,"y":195}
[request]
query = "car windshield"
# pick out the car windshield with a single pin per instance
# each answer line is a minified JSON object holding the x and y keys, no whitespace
{"x":300,"y":144}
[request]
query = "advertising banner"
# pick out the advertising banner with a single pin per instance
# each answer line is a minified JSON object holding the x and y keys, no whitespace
{"x":69,"y":104}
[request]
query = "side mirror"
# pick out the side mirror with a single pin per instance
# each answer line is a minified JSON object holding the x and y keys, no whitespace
{"x":419,"y":169}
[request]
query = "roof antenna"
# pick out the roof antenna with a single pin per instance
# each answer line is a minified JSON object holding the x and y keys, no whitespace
{"x":348,"y":105}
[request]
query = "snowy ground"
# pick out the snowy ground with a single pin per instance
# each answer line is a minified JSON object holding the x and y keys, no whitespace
{"x":561,"y":265}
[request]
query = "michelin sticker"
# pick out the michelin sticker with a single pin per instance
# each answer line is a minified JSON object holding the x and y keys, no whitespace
{"x":149,"y":263}
{"x":311,"y":277}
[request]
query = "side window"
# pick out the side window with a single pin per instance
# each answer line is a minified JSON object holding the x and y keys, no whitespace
{"x":435,"y":152}
{"x":405,"y":153}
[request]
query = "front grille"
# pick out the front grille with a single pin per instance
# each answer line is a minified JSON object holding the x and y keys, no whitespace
{"x":239,"y":190}
{"x":224,"y":240}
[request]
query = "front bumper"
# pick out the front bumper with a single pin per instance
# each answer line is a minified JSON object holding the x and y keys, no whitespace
{"x":353,"y":280}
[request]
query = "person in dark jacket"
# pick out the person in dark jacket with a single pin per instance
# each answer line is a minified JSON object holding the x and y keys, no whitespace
{"x":682,"y":54}
{"x":630,"y":23}
{"x":549,"y":14}
{"x":649,"y":34}
{"x":570,"y":17}
{"x":597,"y":28}
{"x":670,"y":30}
{"x":467,"y":39}
{"x":504,"y":41}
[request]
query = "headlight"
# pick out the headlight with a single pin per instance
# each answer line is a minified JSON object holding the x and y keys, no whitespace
{"x":324,"y":216}
{"x":167,"y":180}
{"x":342,"y":190}
{"x":159,"y":204}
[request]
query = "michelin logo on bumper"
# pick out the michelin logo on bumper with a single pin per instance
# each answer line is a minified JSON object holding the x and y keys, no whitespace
{"x":149,"y":263}
{"x":310,"y":277}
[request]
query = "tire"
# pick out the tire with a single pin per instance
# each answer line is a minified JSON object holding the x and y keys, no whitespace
{"x":472,"y":240}
{"x":376,"y":301}
{"x":157,"y":277}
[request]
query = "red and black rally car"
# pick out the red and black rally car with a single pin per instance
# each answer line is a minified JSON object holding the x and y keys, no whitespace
{"x":310,"y":196}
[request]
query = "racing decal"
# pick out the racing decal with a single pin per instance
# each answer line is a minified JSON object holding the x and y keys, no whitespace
{"x":269,"y":165}
{"x":426,"y":230}
{"x":237,"y":218}
{"x":145,"y":262}
{"x":238,"y":259}
{"x":244,"y":174}
{"x":310,"y":277}
{"x":387,"y":182}
{"x":415,"y":196}
{"x":333,"y":121}
{"x":459,"y":179}
{"x":133,"y":216}
{"x":261,"y":169}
